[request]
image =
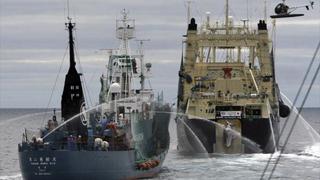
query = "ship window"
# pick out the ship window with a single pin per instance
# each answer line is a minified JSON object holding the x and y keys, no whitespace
{"x":77,"y":95}
{"x":256,"y":63}
{"x":208,"y":55}
{"x":77,"y":87}
{"x":256,"y":112}
{"x":198,"y":56}
{"x":72,"y":87}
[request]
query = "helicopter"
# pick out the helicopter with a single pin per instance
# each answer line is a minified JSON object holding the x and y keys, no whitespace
{"x":283,"y":11}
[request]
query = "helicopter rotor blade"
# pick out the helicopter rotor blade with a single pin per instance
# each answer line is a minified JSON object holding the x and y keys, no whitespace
{"x":311,"y":4}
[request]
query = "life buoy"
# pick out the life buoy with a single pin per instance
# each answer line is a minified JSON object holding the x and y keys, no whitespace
{"x":148,"y":164}
{"x":144,"y":166}
{"x":112,"y":126}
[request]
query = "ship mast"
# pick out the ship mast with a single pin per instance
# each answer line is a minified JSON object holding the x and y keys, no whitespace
{"x":72,"y":102}
{"x":70,"y":27}
{"x":227,"y":17}
{"x":124,"y":46}
{"x":188,"y":11}
{"x":265,"y":10}
{"x":125,"y":31}
{"x":142,"y":76}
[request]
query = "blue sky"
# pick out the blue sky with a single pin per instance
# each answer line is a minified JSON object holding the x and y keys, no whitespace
{"x":33,"y":42}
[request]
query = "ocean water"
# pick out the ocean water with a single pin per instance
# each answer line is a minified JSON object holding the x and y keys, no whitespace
{"x":301,"y":159}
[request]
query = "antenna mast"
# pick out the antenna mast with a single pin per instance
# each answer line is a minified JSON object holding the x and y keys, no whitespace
{"x":188,"y":11}
{"x":70,"y":27}
{"x":124,"y":34}
{"x":141,"y":52}
{"x":227,"y":17}
{"x":68,"y":8}
{"x":125,"y":31}
{"x":265,"y":10}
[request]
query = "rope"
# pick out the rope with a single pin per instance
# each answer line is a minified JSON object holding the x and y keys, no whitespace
{"x":54,"y":85}
{"x":86,"y":89}
{"x":293,"y":105}
{"x":301,"y":86}
{"x":297,"y":116}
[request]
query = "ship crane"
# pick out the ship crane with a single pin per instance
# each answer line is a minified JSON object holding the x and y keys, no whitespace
{"x":282,"y":10}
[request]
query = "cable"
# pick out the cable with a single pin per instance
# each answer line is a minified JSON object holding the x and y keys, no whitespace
{"x":301,"y":87}
{"x":54,"y":85}
{"x":86,"y":89}
{"x":295,"y":121}
{"x":293,"y":105}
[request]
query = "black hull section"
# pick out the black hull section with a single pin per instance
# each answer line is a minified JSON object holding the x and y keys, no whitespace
{"x":192,"y":132}
{"x":72,"y":102}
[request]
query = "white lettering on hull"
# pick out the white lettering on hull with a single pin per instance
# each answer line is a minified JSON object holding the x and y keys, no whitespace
{"x":41,"y":165}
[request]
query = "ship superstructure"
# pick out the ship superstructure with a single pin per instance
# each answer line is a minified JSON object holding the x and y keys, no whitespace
{"x":123,"y":92}
{"x":227,"y":88}
{"x":122,"y":67}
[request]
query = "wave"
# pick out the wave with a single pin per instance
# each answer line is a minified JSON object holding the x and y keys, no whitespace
{"x":23,"y":117}
{"x":11,"y":177}
{"x":313,"y":151}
